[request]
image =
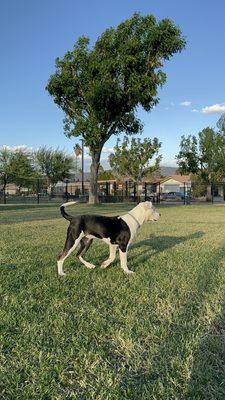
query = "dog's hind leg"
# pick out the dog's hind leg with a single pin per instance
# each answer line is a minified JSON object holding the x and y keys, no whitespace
{"x":70,"y":245}
{"x":84,"y":246}
{"x":112,"y":256}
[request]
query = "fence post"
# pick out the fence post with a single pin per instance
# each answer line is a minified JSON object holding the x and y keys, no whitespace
{"x":107,"y":188}
{"x":38,"y":190}
{"x":184,"y":193}
{"x":114,"y":189}
{"x":145,"y":191}
{"x":159,"y":193}
{"x":212,"y":192}
{"x":4,"y":196}
{"x":126,"y":189}
{"x":135,"y":191}
{"x":67,"y":197}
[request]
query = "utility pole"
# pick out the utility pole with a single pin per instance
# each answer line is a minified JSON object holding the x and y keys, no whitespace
{"x":82,"y":140}
{"x":80,"y":151}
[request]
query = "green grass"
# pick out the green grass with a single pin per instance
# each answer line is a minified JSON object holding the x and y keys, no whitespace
{"x":99,"y":334}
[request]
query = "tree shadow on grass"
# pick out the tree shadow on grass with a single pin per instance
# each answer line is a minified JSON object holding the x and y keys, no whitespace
{"x":170,"y":375}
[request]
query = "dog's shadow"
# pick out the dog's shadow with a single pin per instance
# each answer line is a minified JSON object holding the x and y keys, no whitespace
{"x":149,"y":247}
{"x":156,"y":244}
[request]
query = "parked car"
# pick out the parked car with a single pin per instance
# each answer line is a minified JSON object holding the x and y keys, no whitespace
{"x":175,"y":196}
{"x":42,"y":194}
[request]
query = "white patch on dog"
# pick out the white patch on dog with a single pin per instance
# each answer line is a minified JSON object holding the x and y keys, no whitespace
{"x":87,"y":264}
{"x":112,"y":255}
{"x":60,"y":262}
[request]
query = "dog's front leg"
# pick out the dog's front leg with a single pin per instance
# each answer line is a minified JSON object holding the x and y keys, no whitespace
{"x":123,"y":262}
{"x":112,"y":256}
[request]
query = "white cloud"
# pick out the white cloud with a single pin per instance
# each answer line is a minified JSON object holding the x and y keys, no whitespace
{"x":185,"y":103}
{"x":107,"y":150}
{"x":169,"y":162}
{"x":195,"y":110}
{"x":214,"y":109}
{"x":20,"y":147}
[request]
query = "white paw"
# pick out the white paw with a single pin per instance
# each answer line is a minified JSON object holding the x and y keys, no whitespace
{"x":104,"y":264}
{"x":61,"y":274}
{"x":128,"y":272}
{"x":90,"y":266}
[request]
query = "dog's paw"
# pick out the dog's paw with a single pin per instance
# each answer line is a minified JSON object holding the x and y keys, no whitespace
{"x":129,"y":272}
{"x":104,"y":265}
{"x":62,"y":274}
{"x":90,"y":266}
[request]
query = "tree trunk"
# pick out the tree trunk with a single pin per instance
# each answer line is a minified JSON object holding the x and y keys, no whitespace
{"x":3,"y":190}
{"x":93,"y":193}
{"x":138,"y":194}
{"x":209,"y":193}
{"x":209,"y":189}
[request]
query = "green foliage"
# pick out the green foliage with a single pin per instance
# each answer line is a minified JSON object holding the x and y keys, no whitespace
{"x":99,"y":88}
{"x":22,"y":169}
{"x":54,"y":164}
{"x":203,"y":155}
{"x":221,"y":123}
{"x":198,"y":186}
{"x":16,"y":166}
{"x":105,"y":175}
{"x":188,"y":158}
{"x":132,"y":158}
{"x":5,"y":166}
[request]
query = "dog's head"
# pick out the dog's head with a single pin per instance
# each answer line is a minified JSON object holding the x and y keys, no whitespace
{"x":150,"y":212}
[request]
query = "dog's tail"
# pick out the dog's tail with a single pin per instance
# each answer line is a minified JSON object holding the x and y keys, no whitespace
{"x":64,"y":213}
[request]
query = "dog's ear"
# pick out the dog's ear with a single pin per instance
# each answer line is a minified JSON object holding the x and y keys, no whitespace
{"x":147,"y":205}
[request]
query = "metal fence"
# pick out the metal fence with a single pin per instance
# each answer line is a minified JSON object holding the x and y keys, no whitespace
{"x":39,"y":191}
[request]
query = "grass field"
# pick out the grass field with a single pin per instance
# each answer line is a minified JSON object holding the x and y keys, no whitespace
{"x":102,"y":335}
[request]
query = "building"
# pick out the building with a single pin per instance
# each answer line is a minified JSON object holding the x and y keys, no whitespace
{"x":175,"y":183}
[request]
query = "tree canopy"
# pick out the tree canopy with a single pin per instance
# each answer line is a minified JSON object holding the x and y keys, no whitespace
{"x":54,"y":164}
{"x":22,"y":169}
{"x":105,"y":175}
{"x":16,"y":167}
{"x":203,"y":155}
{"x":99,"y":87}
{"x":221,"y":123}
{"x":5,"y":166}
{"x":135,"y":158}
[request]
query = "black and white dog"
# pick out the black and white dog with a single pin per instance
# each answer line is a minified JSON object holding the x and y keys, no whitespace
{"x":118,"y":232}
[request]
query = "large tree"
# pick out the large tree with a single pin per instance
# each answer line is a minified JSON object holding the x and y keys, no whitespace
{"x":5,"y":168}
{"x":56,"y":165}
{"x":15,"y":167}
{"x":134,"y":158}
{"x":100,"y":87}
{"x":203,"y":155}
{"x":23,"y":173}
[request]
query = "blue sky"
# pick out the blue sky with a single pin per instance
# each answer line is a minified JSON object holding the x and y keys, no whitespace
{"x":33,"y":33}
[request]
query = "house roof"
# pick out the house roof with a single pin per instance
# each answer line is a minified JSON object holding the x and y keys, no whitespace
{"x":178,"y":178}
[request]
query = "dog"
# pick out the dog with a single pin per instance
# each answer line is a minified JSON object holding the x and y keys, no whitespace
{"x":117,"y":232}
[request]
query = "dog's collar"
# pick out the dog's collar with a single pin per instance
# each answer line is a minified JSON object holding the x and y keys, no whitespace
{"x":135,"y":219}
